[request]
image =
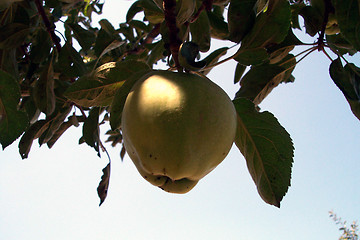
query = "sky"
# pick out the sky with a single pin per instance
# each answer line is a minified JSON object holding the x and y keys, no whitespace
{"x":52,"y":194}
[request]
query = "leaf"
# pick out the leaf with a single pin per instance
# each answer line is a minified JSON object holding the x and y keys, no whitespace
{"x":120,"y":98}
{"x":133,"y":10}
{"x":313,"y":20}
{"x":104,"y":183}
{"x":347,"y":80}
{"x":59,"y":132}
{"x":188,"y":52}
{"x":185,"y":11}
{"x":57,"y":119}
{"x":153,"y":13}
{"x":259,"y":81}
{"x":218,"y":27}
{"x":239,"y":71}
{"x":12,"y":121}
{"x":70,"y":63}
{"x":13,"y":35}
{"x":32,"y":133}
{"x":241,"y":18}
{"x":43,"y":91}
{"x":91,"y":129}
{"x":252,"y":56}
{"x":200,"y":32}
{"x":268,"y":150}
{"x":348,"y":17}
{"x":271,"y":26}
{"x":99,"y":88}
{"x":213,"y":58}
{"x":85,"y":37}
{"x":41,"y":46}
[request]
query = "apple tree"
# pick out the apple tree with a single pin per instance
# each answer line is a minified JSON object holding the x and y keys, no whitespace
{"x":58,"y":71}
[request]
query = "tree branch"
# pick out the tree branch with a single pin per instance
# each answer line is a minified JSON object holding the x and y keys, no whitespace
{"x":170,"y":19}
{"x":49,"y":27}
{"x":328,"y":9}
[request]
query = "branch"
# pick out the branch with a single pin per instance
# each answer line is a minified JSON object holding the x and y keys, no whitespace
{"x":170,"y":19}
{"x":49,"y":27}
{"x":328,"y":9}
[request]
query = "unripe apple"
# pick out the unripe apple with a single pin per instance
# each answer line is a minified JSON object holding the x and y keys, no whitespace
{"x":177,"y":127}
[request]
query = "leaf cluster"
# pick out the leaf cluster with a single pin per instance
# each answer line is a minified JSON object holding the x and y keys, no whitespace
{"x":52,"y":80}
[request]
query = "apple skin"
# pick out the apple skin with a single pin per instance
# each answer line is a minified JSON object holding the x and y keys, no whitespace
{"x":177,"y":127}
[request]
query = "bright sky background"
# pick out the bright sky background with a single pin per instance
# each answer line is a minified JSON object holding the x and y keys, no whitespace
{"x":52,"y":194}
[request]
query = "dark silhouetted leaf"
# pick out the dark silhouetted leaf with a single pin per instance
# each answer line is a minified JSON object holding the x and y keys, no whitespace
{"x":43,"y":91}
{"x":348,"y":17}
{"x":347,"y":80}
{"x":32,"y":133}
{"x":91,"y":129}
{"x":313,"y":20}
{"x":267,"y":148}
{"x":200,"y":32}
{"x":85,"y":37}
{"x":252,"y":56}
{"x":271,"y":26}
{"x":104,"y":183}
{"x":239,"y":71}
{"x":13,"y":35}
{"x":57,"y":119}
{"x":241,"y":18}
{"x":12,"y":121}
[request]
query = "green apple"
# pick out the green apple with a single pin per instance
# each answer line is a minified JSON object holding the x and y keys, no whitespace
{"x":177,"y":127}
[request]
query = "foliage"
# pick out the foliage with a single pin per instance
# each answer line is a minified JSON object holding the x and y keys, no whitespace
{"x":53,"y":80}
{"x":347,"y":233}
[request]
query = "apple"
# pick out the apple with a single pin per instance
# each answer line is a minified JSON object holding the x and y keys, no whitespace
{"x":177,"y":127}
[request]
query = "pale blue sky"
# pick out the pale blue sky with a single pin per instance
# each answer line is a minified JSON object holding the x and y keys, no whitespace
{"x":52,"y":194}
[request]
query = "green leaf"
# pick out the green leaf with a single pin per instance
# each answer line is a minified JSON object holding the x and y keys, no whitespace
{"x":347,"y":80}
{"x":85,"y":37}
{"x":133,"y":10}
{"x":43,"y":91}
{"x":200,"y":32}
{"x":271,"y":26}
{"x":218,"y":27}
{"x":188,"y":52}
{"x":12,"y":121}
{"x":268,"y":150}
{"x":98,"y":89}
{"x":120,"y":98}
{"x":259,"y":81}
{"x":13,"y":35}
{"x":348,"y":17}
{"x":313,"y":20}
{"x":153,"y":13}
{"x":241,"y":18}
{"x":252,"y":56}
{"x":185,"y":11}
